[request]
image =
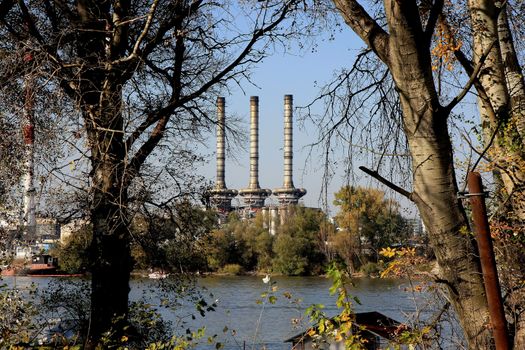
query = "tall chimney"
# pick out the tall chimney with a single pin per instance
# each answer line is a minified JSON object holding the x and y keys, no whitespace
{"x":254,"y":196}
{"x":288,"y":142}
{"x":220,"y":195}
{"x":28,"y":131}
{"x":254,"y":143}
{"x":220,"y":183}
{"x":288,"y":194}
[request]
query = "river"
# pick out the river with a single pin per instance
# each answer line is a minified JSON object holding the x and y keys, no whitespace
{"x":240,"y":321}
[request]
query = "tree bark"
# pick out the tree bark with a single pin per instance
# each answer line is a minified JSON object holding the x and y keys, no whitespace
{"x":100,"y":99}
{"x":502,"y":81}
{"x":110,"y":248}
{"x":513,"y":74}
{"x":503,"y":112}
{"x":434,"y":184}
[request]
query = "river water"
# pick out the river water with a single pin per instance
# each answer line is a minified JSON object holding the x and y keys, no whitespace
{"x":239,"y":321}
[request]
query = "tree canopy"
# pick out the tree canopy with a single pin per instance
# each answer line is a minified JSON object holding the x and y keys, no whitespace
{"x":130,"y":78}
{"x":366,"y":217}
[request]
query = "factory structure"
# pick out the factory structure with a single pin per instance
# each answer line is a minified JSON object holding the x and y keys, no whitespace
{"x":254,"y":196}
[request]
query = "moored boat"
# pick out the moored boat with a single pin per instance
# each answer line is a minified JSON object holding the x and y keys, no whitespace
{"x":43,"y":264}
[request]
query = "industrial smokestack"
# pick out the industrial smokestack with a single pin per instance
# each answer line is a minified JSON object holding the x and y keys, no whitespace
{"x":288,"y":142}
{"x":254,"y":196}
{"x":220,"y":195}
{"x":28,"y":131}
{"x":220,"y":182}
{"x":254,"y":143}
{"x":288,"y":194}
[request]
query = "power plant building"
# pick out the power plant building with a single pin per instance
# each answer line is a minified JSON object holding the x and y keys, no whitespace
{"x":254,"y":196}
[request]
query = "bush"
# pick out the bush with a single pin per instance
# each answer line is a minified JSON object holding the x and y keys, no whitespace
{"x":72,"y":254}
{"x":370,"y":269}
{"x":232,"y":269}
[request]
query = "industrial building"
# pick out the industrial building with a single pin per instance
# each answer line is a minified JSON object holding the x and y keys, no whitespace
{"x":254,"y":196}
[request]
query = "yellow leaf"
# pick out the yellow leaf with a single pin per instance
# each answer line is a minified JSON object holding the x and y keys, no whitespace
{"x":388,"y":252}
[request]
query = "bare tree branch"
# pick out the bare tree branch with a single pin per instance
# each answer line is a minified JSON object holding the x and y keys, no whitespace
{"x":473,"y":77}
{"x":389,"y":184}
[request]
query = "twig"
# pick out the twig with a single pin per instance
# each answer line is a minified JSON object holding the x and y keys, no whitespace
{"x":472,"y":79}
{"x":482,"y":154}
{"x":142,"y":35}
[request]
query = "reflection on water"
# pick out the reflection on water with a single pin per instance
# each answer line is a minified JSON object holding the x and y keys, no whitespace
{"x":247,"y":322}
{"x":239,"y":310}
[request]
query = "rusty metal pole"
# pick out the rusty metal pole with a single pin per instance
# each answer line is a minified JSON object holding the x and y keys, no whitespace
{"x":488,"y":261}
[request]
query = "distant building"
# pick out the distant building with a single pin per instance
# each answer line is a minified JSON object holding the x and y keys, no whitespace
{"x":66,"y":230}
{"x":20,"y":244}
{"x":253,"y":196}
{"x":416,"y":226}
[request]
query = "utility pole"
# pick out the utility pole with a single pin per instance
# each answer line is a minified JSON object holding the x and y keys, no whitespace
{"x":488,"y":261}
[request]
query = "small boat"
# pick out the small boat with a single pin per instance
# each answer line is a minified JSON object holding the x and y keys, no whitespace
{"x":43,"y":264}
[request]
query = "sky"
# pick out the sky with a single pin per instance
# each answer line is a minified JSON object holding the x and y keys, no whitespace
{"x":301,"y":74}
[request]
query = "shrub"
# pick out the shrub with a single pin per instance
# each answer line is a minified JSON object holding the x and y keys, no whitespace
{"x":370,"y":269}
{"x":232,"y":269}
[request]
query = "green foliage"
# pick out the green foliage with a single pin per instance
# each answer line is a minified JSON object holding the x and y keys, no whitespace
{"x":289,"y":258}
{"x":297,"y":244}
{"x":242,"y":242}
{"x":72,"y":253}
{"x":145,"y":328}
{"x":68,"y":300}
{"x":367,"y":222}
{"x":371,"y":269}
{"x":294,"y":250}
{"x":232,"y":269}
{"x":16,"y":317}
{"x":174,"y":239}
{"x":341,"y":327}
{"x":183,"y":342}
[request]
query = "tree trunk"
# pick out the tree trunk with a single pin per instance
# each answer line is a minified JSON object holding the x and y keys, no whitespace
{"x":435,"y":189}
{"x":406,"y":52}
{"x":513,"y":74}
{"x":100,"y":99}
{"x":502,"y":81}
{"x":110,"y":268}
{"x":435,"y":194}
{"x":110,"y":248}
{"x":502,"y":114}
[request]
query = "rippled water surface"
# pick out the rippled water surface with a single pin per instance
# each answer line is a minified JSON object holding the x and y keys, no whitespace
{"x":240,"y":322}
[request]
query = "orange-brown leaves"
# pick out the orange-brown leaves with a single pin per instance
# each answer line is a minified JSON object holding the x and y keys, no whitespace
{"x":444,"y":47}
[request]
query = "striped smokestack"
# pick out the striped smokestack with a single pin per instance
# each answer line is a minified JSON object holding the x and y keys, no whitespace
{"x":220,"y":195}
{"x":288,"y":142}
{"x":254,"y":143}
{"x":28,"y":130}
{"x":254,"y":196}
{"x":288,"y":194}
{"x":220,"y":182}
